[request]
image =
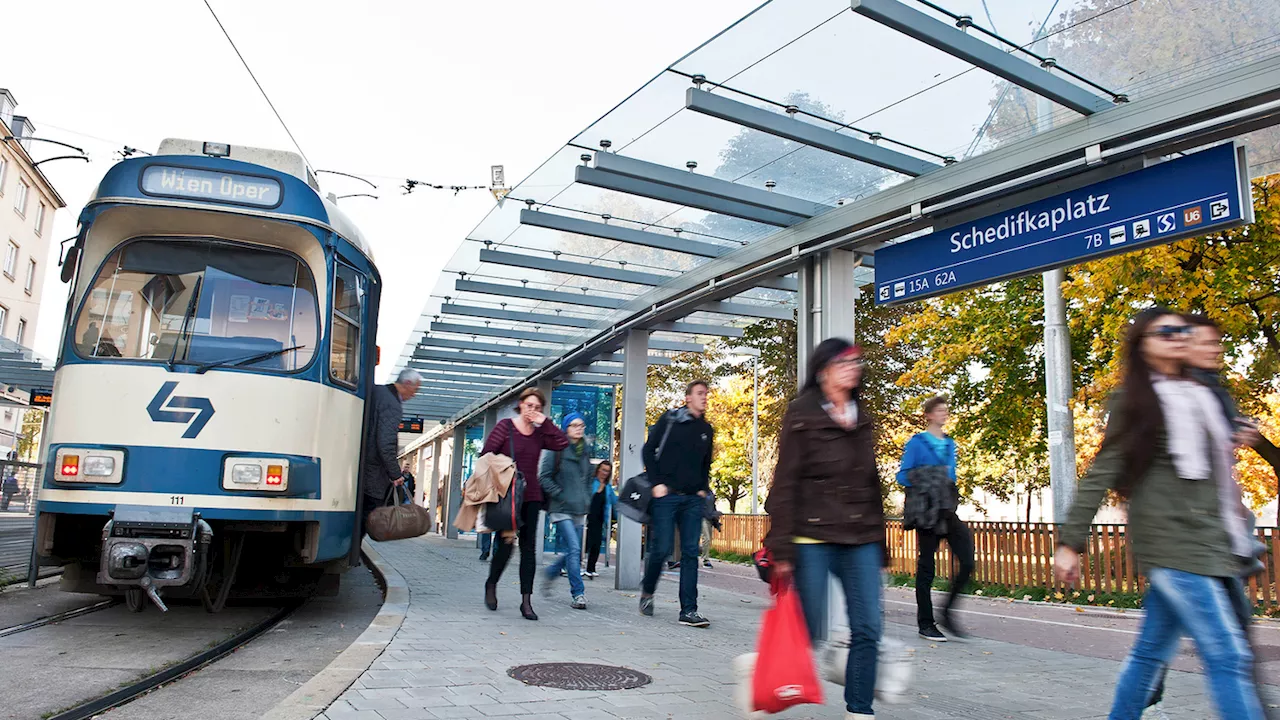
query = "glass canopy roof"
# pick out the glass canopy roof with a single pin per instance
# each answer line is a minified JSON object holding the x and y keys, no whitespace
{"x":523,"y":286}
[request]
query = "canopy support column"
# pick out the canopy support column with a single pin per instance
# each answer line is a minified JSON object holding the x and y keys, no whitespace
{"x":455,"y":480}
{"x":634,"y":390}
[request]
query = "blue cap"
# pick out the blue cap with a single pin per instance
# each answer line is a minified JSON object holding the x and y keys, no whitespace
{"x":568,"y":419}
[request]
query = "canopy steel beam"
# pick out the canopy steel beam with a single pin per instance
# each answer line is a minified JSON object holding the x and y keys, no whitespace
{"x":658,"y":241}
{"x":442,"y":356}
{"x":707,"y":185}
{"x":683,"y":196}
{"x":739,"y":113}
{"x":533,"y":262}
{"x":528,"y":293}
{"x":430,"y":342}
{"x":461,"y":379}
{"x":675,"y":345}
{"x":505,"y":373}
{"x":953,"y":41}
{"x":770,"y":312}
{"x":518,"y":316}
{"x":512,"y":333}
{"x":698,"y":329}
{"x":593,"y":379}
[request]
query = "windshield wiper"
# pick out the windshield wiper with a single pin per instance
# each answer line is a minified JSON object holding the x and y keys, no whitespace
{"x":237,"y":362}
{"x":187,"y":317}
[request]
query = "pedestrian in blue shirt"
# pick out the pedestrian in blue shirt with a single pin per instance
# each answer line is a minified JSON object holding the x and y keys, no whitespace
{"x":928,"y":475}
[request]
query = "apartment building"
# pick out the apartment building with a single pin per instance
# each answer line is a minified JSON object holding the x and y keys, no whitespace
{"x":27,"y":204}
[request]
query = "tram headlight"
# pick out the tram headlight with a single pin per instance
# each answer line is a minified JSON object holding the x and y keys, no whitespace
{"x":99,"y":466}
{"x":246,"y":474}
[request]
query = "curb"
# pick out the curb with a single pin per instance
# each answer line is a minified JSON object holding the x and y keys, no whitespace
{"x":318,"y":693}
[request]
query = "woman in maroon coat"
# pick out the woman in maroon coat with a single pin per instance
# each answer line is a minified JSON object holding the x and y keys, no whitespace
{"x":531,"y":432}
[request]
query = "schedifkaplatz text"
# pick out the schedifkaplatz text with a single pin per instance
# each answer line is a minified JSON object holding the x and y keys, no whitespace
{"x":1027,"y":221}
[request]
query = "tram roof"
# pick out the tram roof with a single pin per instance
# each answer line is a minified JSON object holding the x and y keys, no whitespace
{"x":812,"y":123}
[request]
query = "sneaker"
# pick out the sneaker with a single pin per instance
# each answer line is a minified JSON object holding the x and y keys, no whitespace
{"x":646,"y":606}
{"x":948,"y":623}
{"x":672,"y":565}
{"x":484,"y":556}
{"x":932,"y":633}
{"x":591,"y":574}
{"x":693,"y":619}
{"x":706,"y":563}
{"x":579,"y":602}
{"x":564,"y":573}
{"x":548,"y":586}
{"x":1155,"y":712}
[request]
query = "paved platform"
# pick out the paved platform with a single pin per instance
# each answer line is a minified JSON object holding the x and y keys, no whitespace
{"x":450,"y":657}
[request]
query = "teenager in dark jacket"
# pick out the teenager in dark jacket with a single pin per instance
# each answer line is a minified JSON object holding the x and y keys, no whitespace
{"x":826,"y":516}
{"x":529,"y":433}
{"x":681,"y":475}
{"x":933,"y":451}
{"x":566,"y":481}
{"x":600,"y":515}
{"x":381,"y":469}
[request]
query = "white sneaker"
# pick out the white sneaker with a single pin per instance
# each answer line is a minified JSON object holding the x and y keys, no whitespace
{"x":744,"y":666}
{"x":855,"y":716}
{"x":1155,"y":712}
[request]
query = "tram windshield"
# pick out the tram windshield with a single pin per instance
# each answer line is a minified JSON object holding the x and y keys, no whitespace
{"x":201,"y":301}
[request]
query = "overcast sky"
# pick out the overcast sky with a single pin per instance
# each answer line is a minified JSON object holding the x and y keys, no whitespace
{"x":434,"y":91}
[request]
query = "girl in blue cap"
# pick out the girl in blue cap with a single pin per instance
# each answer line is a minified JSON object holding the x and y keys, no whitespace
{"x":566,"y":479}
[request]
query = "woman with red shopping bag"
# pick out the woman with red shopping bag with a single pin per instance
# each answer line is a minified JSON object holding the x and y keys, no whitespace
{"x":826,"y":514}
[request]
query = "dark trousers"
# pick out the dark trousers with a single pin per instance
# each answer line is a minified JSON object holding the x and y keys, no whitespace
{"x":960,"y":539}
{"x":595,"y":535}
{"x":665,"y":515}
{"x":529,"y":529}
{"x":370,"y":503}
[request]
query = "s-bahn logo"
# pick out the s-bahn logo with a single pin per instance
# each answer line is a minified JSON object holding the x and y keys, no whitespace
{"x":195,"y":410}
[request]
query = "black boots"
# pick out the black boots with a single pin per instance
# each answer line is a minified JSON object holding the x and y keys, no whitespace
{"x":526,"y":608}
{"x":491,"y":595}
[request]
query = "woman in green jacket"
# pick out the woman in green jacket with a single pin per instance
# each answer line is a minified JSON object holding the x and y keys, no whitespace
{"x":1168,"y":451}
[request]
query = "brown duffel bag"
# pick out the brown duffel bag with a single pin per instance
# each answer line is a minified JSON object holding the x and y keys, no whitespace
{"x":396,"y":521}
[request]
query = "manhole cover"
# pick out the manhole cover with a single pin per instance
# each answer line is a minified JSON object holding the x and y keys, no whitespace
{"x":579,"y":676}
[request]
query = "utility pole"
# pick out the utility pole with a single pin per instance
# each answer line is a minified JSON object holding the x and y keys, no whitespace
{"x":755,"y":436}
{"x":1057,"y":364}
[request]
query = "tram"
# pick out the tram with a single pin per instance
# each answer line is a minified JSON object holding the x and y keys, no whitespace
{"x":209,"y":398}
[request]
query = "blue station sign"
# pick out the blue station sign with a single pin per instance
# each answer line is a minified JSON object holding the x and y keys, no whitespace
{"x":1179,"y":198}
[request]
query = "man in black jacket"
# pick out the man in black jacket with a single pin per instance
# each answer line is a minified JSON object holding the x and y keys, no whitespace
{"x":381,"y":469}
{"x":677,"y":457}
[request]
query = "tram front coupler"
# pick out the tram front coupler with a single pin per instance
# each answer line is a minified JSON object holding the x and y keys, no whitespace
{"x":146,"y":549}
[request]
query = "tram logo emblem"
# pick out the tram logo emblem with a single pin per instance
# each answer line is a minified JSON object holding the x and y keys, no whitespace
{"x":191,"y":411}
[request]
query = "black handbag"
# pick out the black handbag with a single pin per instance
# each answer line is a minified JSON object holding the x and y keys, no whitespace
{"x":504,"y":515}
{"x":637,"y":491}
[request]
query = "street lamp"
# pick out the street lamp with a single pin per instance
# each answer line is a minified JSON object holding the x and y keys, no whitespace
{"x":755,"y":425}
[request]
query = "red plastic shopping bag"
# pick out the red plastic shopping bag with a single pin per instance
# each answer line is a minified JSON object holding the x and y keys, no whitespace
{"x":784,"y":674}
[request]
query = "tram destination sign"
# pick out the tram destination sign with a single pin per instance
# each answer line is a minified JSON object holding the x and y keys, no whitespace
{"x":1180,"y":198}
{"x":236,"y":188}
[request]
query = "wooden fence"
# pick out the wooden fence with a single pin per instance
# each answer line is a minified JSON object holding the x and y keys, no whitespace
{"x":1015,"y":555}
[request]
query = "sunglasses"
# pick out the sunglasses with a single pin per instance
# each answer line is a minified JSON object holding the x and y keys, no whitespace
{"x":1170,"y":332}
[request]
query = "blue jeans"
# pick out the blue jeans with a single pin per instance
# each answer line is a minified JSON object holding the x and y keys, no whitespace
{"x":1180,"y":602}
{"x":665,"y":514}
{"x":857,"y":568}
{"x":486,"y":542}
{"x":569,"y":545}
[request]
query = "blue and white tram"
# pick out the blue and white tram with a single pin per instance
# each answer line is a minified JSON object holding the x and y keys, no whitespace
{"x":209,"y":397}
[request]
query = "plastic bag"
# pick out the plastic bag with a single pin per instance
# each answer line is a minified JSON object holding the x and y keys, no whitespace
{"x":894,"y":667}
{"x":784,"y":673}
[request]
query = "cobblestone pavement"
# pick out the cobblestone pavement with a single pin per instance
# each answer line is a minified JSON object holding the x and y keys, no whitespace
{"x":451,"y":656}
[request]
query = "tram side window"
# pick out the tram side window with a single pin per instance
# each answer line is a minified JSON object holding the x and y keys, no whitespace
{"x":348,"y":307}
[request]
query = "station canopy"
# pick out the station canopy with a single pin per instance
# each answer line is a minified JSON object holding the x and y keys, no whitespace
{"x":797,"y":109}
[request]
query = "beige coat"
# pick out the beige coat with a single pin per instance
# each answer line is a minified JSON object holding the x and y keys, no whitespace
{"x":489,"y":480}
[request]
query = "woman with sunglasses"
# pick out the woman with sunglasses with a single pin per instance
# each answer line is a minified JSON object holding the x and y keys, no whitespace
{"x":530,"y":432}
{"x":826,"y":513}
{"x":1168,"y":451}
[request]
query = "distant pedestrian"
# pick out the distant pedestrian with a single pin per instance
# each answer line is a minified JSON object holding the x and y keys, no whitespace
{"x":8,"y":489}
{"x":826,"y":515}
{"x":1168,"y":451}
{"x":411,"y":490}
{"x":928,"y":474}
{"x":677,"y":457}
{"x":566,"y":481}
{"x":710,"y":523}
{"x":600,"y":515}
{"x":381,"y":469}
{"x":530,"y":432}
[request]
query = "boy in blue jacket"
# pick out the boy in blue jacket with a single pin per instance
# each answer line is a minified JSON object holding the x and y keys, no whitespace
{"x":933,"y":451}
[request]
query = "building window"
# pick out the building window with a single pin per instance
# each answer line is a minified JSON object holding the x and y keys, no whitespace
{"x":31,"y":277}
{"x":4,"y":318}
{"x":22,"y":330}
{"x":4,"y":171}
{"x":20,"y":201}
{"x":40,"y":211}
{"x":11,"y":259}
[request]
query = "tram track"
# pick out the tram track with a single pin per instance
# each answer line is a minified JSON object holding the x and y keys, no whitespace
{"x":58,"y":617}
{"x":99,"y":705}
